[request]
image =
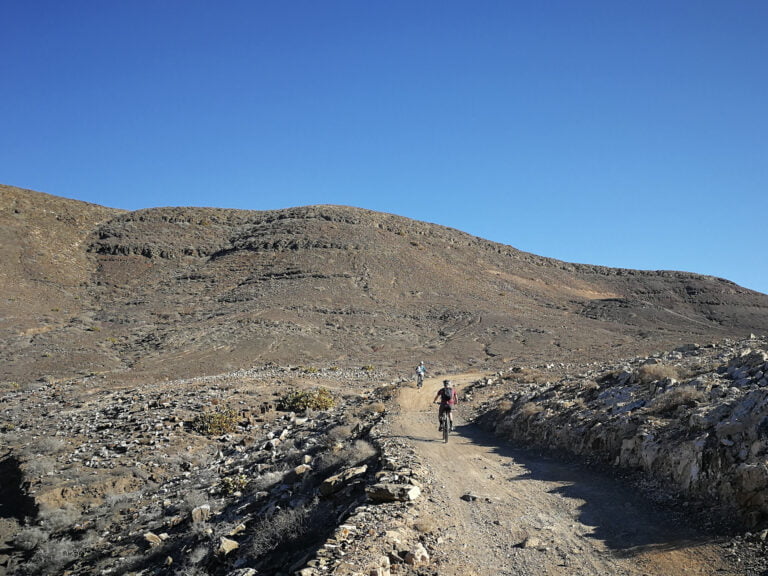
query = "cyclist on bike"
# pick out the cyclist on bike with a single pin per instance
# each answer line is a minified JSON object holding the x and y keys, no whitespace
{"x":448,"y":399}
{"x":421,"y":370}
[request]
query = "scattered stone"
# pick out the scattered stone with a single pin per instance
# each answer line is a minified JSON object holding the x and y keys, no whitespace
{"x":226,"y":546}
{"x":152,"y":539}
{"x":201,"y":514}
{"x":393,"y":492}
{"x":417,"y":556}
{"x":530,"y":542}
{"x":382,"y":567}
{"x":335,"y":483}
{"x":298,"y":473}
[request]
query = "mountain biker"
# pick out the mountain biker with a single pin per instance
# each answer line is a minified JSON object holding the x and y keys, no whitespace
{"x":421,"y":370}
{"x":448,"y":399}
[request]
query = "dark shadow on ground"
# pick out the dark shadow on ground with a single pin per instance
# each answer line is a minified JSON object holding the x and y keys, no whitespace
{"x":623,"y":517}
{"x":14,"y":502}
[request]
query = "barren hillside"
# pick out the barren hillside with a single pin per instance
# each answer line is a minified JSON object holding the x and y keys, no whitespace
{"x":188,"y":291}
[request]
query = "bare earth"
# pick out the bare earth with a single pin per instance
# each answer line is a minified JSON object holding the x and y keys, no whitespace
{"x":502,"y":511}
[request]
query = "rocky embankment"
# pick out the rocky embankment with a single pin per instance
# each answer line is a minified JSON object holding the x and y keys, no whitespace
{"x":214,"y":475}
{"x":694,"y":420}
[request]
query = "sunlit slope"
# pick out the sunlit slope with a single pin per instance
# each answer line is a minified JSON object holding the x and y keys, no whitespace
{"x":191,"y":290}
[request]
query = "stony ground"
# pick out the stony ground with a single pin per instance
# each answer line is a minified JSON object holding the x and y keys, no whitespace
{"x":367,"y":487}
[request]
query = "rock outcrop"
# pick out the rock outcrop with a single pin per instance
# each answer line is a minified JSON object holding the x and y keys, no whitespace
{"x":694,"y":419}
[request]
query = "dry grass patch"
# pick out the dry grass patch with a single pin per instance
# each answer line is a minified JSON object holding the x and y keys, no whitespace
{"x":528,"y":375}
{"x":425,"y":525}
{"x":378,"y":408}
{"x":504,"y":406}
{"x":285,"y":524}
{"x":672,"y":399}
{"x":655,"y":372}
{"x":530,"y":409}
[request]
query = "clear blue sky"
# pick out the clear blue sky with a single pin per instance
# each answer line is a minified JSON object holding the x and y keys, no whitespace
{"x":623,"y":133}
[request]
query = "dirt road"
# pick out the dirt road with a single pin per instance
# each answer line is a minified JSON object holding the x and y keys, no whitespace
{"x":501,"y":511}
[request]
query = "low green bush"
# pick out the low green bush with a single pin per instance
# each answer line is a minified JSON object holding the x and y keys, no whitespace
{"x":216,"y":422}
{"x":235,"y":483}
{"x":302,"y":400}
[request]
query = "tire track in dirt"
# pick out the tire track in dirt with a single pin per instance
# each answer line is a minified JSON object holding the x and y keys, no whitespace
{"x":529,"y":515}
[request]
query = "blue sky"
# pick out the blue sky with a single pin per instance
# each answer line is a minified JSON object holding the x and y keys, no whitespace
{"x":623,"y":133}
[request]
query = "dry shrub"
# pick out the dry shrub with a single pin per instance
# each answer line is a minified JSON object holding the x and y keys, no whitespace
{"x":193,"y":499}
{"x":530,"y":409}
{"x":51,"y":556}
{"x":59,"y":519}
{"x":302,"y":400}
{"x":41,"y":466}
{"x":48,"y":445}
{"x":378,"y":407}
{"x":670,"y":400}
{"x":215,"y":423}
{"x":234,"y":483}
{"x":504,"y":406}
{"x":655,"y":372}
{"x":368,"y":409}
{"x":360,"y":451}
{"x":266,"y":481}
{"x":30,"y":538}
{"x":528,"y":375}
{"x":695,"y":370}
{"x":339,"y":434}
{"x":346,"y":456}
{"x":271,"y":532}
{"x":425,"y":525}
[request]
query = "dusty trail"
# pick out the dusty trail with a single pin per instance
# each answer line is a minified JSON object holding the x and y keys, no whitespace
{"x":527,"y":515}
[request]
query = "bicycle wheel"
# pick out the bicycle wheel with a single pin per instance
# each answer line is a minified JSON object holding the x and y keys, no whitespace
{"x":446,"y":423}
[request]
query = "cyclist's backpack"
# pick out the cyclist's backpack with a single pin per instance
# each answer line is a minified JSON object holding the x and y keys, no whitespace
{"x":447,"y":394}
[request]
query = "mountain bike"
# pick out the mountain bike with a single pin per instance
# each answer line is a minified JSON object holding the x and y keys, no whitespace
{"x":419,"y":380}
{"x":445,"y":424}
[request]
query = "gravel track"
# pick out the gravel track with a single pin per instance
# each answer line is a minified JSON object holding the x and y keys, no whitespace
{"x":504,"y":511}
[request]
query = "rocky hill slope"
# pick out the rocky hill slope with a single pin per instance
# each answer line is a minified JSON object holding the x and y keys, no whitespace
{"x":190,"y":291}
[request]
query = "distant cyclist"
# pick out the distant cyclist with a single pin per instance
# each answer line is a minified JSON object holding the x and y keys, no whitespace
{"x":448,"y":399}
{"x":421,"y":371}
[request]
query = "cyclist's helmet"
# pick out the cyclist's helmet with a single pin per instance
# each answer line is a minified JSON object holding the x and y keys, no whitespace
{"x":446,"y":382}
